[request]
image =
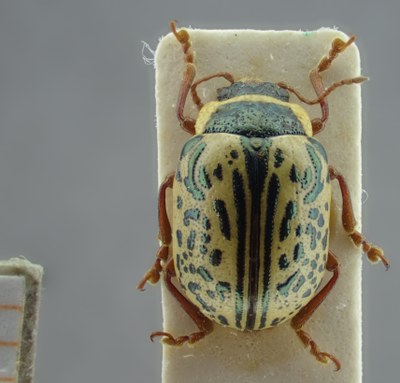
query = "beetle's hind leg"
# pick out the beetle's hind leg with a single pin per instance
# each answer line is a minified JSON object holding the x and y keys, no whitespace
{"x":204,"y":324}
{"x":305,"y":313}
{"x":153,"y":274}
{"x":374,"y":253}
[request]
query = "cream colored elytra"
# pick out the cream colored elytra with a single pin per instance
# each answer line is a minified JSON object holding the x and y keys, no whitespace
{"x":251,"y":213}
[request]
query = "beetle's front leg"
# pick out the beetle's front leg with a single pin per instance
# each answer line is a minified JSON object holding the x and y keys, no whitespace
{"x":374,"y":253}
{"x":196,"y":99}
{"x":153,"y":274}
{"x":338,"y":46}
{"x":183,"y":37}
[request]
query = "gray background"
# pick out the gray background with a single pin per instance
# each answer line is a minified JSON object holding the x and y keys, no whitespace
{"x":78,"y":168}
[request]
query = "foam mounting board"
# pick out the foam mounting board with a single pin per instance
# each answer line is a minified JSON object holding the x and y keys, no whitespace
{"x":275,"y":355}
{"x":20,"y":288}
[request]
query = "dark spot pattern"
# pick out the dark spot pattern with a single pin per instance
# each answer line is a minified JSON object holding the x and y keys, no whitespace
{"x":283,"y":262}
{"x":211,"y":294}
{"x":217,"y":172}
{"x":216,"y":257}
{"x":193,"y":287}
{"x":223,"y":288}
{"x":204,"y":273}
{"x":191,"y":240}
{"x":313,"y":213}
{"x":206,"y":223}
{"x":205,"y":238}
{"x":312,"y":232}
{"x":203,"y":250}
{"x":299,"y":283}
{"x":325,"y":240}
{"x":298,"y":252}
{"x":179,"y":202}
{"x":191,"y":214}
{"x":234,"y":154}
{"x":290,"y":213}
{"x":284,"y":287}
{"x":223,"y":320}
{"x":278,"y":155}
{"x":179,"y":237}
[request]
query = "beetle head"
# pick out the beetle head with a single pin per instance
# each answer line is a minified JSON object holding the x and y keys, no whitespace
{"x":262,"y":88}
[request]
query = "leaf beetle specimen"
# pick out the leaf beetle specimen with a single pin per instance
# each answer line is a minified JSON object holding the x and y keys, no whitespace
{"x":249,"y":242}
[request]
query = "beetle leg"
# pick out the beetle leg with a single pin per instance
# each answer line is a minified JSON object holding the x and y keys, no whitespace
{"x":196,"y":99}
{"x":183,"y":37}
{"x":374,"y":253}
{"x":204,"y":324}
{"x":338,"y":46}
{"x":305,"y":313}
{"x":153,"y":274}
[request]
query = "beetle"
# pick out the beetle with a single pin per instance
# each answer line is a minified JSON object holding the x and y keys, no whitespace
{"x":249,"y":242}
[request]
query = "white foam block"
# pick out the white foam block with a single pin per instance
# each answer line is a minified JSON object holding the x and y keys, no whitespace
{"x":20,"y":283}
{"x":12,"y":301}
{"x":275,"y":355}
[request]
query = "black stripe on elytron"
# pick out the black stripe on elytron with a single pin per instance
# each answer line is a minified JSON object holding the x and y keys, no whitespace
{"x":222,"y":214}
{"x":272,"y":203}
{"x":256,"y":164}
{"x":240,"y":204}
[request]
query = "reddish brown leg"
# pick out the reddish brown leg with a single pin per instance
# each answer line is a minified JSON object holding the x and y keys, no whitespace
{"x":153,"y":274}
{"x":195,"y":96}
{"x":338,"y":46}
{"x":374,"y":253}
{"x":204,"y":324}
{"x":305,"y":313}
{"x":189,"y":74}
{"x":183,"y":37}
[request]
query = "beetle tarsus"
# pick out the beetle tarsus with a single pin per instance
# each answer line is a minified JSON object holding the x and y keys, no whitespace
{"x":321,"y":356}
{"x":179,"y":341}
{"x":374,"y":253}
{"x":152,"y":276}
